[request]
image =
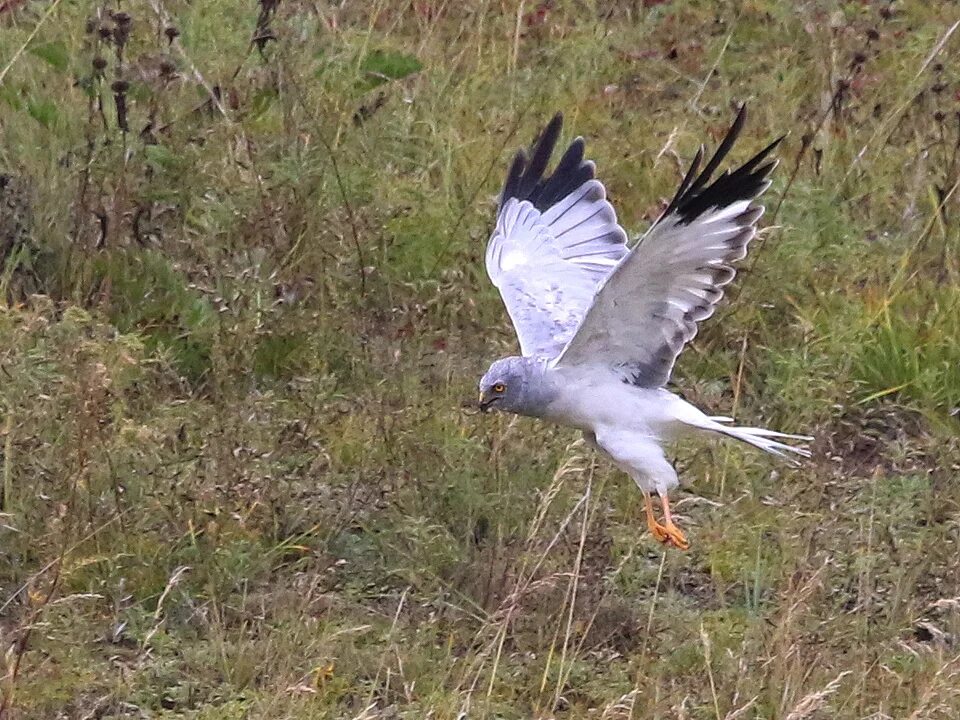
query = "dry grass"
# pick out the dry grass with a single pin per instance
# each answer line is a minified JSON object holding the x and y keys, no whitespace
{"x":242,"y":263}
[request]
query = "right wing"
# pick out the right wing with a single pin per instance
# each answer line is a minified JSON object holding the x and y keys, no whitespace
{"x":649,"y":307}
{"x":555,"y":241}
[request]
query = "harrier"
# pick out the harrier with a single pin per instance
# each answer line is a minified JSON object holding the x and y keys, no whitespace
{"x":601,"y":324}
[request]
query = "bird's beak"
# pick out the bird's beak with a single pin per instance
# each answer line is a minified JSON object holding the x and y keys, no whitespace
{"x":483,"y":403}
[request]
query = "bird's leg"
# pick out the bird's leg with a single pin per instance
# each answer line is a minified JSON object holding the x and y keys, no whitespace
{"x":674,"y":535}
{"x":659,"y":532}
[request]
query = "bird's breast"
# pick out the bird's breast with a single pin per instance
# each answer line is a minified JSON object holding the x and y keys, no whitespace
{"x":590,"y":398}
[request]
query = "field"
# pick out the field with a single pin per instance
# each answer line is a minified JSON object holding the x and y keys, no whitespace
{"x":244,"y":314}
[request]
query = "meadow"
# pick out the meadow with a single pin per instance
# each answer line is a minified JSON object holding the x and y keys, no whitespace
{"x":245,"y":310}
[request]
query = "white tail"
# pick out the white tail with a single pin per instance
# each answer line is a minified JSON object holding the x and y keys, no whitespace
{"x":762,"y":438}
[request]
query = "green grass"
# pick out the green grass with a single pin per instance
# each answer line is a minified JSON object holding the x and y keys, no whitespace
{"x":239,"y":479}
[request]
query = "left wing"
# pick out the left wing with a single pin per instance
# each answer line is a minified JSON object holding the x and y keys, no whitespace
{"x":649,"y":307}
{"x":555,"y":242}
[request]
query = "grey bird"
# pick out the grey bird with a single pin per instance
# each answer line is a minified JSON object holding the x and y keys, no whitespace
{"x":601,"y":324}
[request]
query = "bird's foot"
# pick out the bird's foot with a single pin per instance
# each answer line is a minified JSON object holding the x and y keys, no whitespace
{"x":675,"y":537}
{"x":667,"y":533}
{"x":659,"y":532}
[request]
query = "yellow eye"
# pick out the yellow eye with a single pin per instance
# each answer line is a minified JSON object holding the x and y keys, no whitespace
{"x":499,"y":388}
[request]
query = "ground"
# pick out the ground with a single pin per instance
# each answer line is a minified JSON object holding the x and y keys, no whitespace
{"x":245,"y":313}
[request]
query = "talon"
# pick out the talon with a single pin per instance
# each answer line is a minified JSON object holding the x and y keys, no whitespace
{"x":661,"y":533}
{"x":676,"y":538}
{"x":667,"y":533}
{"x":675,"y":535}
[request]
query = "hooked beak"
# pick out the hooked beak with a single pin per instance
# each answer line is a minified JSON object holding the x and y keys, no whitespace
{"x":484,"y":404}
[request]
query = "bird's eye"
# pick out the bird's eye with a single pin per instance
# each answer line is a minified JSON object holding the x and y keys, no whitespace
{"x":499,"y":388}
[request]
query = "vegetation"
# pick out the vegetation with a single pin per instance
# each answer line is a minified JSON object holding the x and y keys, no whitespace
{"x":245,"y":311}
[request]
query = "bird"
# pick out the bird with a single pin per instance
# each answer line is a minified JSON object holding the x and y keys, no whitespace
{"x":600,"y":323}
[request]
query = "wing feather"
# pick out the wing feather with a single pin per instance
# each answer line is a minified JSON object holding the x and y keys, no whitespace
{"x":649,"y":306}
{"x":555,"y":241}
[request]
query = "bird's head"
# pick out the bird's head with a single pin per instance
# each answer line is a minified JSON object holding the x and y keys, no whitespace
{"x":508,"y":386}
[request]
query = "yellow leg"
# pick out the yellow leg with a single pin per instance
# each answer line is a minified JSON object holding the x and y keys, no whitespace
{"x":674,"y":534}
{"x":658,"y":531}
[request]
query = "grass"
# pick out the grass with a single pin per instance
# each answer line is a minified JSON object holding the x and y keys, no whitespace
{"x":239,"y":476}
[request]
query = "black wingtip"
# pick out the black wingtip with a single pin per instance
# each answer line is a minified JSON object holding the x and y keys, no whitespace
{"x":697,"y":193}
{"x":722,"y":150}
{"x":526,"y":179}
{"x":540,"y":154}
{"x":514,"y":175}
{"x":547,"y":137}
{"x":741,"y":114}
{"x":685,"y":183}
{"x":556,"y":121}
{"x":776,"y":143}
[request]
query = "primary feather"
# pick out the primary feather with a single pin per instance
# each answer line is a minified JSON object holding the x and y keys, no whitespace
{"x":649,"y":307}
{"x":556,"y":239}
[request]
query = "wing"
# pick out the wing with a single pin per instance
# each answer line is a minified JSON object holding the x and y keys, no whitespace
{"x":555,"y":241}
{"x":648,"y":309}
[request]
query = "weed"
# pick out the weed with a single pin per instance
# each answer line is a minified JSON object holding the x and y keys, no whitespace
{"x":245,"y":312}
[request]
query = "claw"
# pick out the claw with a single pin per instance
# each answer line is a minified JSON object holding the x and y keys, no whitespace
{"x":676,"y":537}
{"x":659,"y":532}
{"x":675,"y":534}
{"x":667,"y":533}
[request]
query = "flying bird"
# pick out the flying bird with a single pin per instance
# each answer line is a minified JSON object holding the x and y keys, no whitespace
{"x":601,"y":324}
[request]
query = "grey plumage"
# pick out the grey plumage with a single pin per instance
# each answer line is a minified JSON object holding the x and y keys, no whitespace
{"x":601,"y":325}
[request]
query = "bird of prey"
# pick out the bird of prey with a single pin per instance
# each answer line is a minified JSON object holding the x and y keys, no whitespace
{"x":601,"y":324}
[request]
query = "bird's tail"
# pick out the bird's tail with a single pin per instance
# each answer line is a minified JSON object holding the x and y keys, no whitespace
{"x":763,"y":439}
